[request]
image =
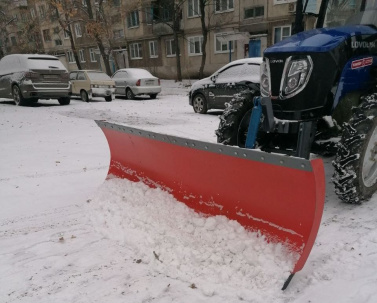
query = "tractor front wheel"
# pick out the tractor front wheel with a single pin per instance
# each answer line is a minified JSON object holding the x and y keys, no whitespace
{"x":355,"y":164}
{"x":234,"y":121}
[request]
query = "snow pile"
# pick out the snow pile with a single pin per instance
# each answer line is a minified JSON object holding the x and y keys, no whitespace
{"x":211,"y":254}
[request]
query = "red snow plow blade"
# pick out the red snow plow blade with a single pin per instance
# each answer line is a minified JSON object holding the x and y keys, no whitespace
{"x":278,"y":196}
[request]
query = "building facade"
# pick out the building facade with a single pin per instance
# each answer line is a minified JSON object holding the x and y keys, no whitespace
{"x":143,"y":33}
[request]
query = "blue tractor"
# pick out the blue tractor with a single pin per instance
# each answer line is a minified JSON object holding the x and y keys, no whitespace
{"x":313,"y":85}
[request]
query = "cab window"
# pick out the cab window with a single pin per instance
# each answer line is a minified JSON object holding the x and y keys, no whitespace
{"x":81,"y":76}
{"x":72,"y":76}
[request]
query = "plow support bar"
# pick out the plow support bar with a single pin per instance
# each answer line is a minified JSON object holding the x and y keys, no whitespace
{"x":278,"y":196}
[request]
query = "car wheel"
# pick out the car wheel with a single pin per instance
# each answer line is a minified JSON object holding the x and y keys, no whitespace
{"x":108,"y":99}
{"x":84,"y":96}
{"x":199,"y":104}
{"x":153,"y":96}
{"x":17,"y":96}
{"x":64,"y":100}
{"x":129,"y":94}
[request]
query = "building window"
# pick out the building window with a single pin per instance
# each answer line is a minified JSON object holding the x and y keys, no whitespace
{"x":24,"y":17}
{"x":35,"y":37}
{"x":71,"y":58}
{"x":46,"y":35}
{"x":58,"y":42}
{"x":116,"y":19}
{"x":281,"y":32}
{"x":224,"y":5}
{"x":84,"y":3}
{"x":222,"y":46}
{"x":13,"y":40}
{"x":195,"y":45}
{"x":149,"y":15}
{"x":153,"y":53}
{"x":54,"y":13}
{"x":78,"y":30}
{"x":254,"y":12}
{"x":66,"y":35}
{"x":133,"y":19}
{"x":42,"y":11}
{"x":170,"y":48}
{"x":136,"y":51}
{"x":116,"y":2}
{"x":92,"y":55}
{"x":82,"y":55}
{"x":193,"y":8}
{"x":32,"y":13}
{"x":118,"y":33}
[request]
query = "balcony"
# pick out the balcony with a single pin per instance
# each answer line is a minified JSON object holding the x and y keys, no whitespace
{"x":164,"y":28}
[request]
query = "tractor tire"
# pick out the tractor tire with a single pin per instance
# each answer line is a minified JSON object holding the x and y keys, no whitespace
{"x":234,"y":121}
{"x":355,"y":164}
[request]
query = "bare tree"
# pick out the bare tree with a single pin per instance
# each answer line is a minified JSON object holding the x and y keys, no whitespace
{"x":177,"y":17}
{"x":205,"y":31}
{"x":298,"y":26}
{"x":5,"y":19}
{"x":169,"y":12}
{"x":15,"y":22}
{"x":206,"y":14}
{"x":66,"y":13}
{"x":97,"y":27}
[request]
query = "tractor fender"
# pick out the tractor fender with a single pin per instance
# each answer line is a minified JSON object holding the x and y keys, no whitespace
{"x":356,"y":76}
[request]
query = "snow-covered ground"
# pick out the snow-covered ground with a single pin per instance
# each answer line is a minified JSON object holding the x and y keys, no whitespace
{"x":66,"y":235}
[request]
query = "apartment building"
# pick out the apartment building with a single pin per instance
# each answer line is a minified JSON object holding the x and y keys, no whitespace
{"x":143,"y":33}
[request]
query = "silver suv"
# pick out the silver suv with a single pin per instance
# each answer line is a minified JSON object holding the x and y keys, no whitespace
{"x":29,"y":77}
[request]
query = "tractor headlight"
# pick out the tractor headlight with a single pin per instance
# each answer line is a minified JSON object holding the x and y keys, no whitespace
{"x":296,"y":75}
{"x":265,"y":78}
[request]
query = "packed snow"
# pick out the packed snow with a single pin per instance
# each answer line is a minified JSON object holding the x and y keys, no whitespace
{"x":67,"y":235}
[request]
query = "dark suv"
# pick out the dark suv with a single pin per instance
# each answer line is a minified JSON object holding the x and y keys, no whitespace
{"x":29,"y":77}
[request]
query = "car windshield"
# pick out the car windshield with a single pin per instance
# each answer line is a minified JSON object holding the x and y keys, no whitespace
{"x":350,"y":12}
{"x":98,"y":76}
{"x":139,"y":73}
{"x":44,"y":63}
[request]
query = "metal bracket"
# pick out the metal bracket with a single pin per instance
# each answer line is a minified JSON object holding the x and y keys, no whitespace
{"x":268,"y":114}
{"x":253,"y":128}
{"x":305,"y":138}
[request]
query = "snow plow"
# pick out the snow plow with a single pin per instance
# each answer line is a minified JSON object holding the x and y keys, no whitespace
{"x":279,"y":197}
{"x":261,"y":172}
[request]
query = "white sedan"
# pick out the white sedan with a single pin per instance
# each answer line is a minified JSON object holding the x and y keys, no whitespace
{"x":132,"y":82}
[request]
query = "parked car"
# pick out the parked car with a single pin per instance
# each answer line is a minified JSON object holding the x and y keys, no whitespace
{"x":132,"y":82}
{"x":213,"y":92}
{"x":29,"y":77}
{"x":92,"y":83}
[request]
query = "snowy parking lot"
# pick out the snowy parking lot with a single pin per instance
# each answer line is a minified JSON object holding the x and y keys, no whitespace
{"x":66,"y":235}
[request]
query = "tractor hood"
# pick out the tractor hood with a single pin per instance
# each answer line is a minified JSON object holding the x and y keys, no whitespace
{"x":319,"y":40}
